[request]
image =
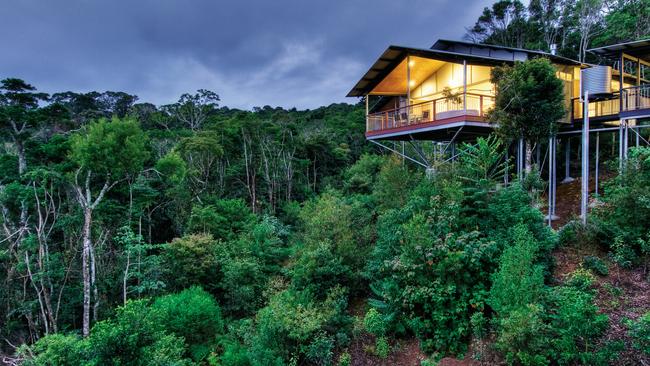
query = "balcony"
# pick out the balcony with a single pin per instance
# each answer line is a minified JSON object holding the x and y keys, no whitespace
{"x":635,"y":103}
{"x":434,"y":114}
{"x":605,"y":110}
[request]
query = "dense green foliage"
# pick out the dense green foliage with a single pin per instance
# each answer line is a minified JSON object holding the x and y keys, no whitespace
{"x":640,"y":332}
{"x":572,"y":26}
{"x":619,"y":225}
{"x":529,"y":102}
{"x":173,"y":330}
{"x":193,"y":234}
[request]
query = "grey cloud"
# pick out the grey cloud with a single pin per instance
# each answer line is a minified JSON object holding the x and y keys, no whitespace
{"x":286,"y":52}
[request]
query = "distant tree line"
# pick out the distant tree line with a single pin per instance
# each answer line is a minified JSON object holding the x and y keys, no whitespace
{"x":572,"y":26}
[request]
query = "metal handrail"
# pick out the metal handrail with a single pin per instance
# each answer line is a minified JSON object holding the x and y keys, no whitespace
{"x":636,"y":97}
{"x":597,"y":108}
{"x":629,"y":99}
{"x":430,"y":111}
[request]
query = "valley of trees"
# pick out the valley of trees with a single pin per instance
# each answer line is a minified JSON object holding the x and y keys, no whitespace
{"x":196,"y":234}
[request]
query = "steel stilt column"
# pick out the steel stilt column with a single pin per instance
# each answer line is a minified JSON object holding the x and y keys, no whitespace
{"x":597,"y":160}
{"x":626,"y":139}
{"x":552,"y":179}
{"x":585,"y":160}
{"x":567,"y":162}
{"x":620,"y":145}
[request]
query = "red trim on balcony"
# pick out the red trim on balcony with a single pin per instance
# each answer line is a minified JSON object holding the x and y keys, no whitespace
{"x":424,"y":125}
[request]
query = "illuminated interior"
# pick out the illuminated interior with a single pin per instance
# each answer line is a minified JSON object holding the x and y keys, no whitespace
{"x":428,"y":79}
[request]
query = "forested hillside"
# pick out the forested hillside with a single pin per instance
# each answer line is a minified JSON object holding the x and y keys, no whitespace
{"x":196,"y":234}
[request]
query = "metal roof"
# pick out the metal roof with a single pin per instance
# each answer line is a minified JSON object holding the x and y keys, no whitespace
{"x":446,"y":43}
{"x":393,"y":55}
{"x":636,"y":48}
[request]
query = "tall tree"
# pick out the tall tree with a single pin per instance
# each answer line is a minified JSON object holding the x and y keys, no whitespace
{"x":191,"y":110}
{"x":546,"y":14}
{"x":503,"y":24}
{"x":529,"y":102}
{"x":589,"y":14}
{"x":19,"y":114}
{"x":106,"y":152}
{"x":627,"y":20}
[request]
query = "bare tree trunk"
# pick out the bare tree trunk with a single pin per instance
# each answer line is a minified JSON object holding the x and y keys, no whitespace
{"x":251,"y":174}
{"x":85,"y":269}
{"x":22,"y":160}
{"x":126,"y":276}
{"x":93,"y":285}
{"x":84,"y":197}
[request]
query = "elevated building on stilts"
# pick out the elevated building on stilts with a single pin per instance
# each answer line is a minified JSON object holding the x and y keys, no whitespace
{"x":420,"y":102}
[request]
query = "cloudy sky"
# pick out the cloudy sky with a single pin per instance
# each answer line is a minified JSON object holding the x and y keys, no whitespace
{"x":290,"y":53}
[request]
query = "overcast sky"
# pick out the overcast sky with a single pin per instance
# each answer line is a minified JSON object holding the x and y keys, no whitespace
{"x":301,"y":53}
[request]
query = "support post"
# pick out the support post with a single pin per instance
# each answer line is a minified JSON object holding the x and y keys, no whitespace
{"x":408,"y":89}
{"x":552,"y":180}
{"x":626,"y":139}
{"x":621,"y":157}
{"x":465,"y":87}
{"x":585,"y":159}
{"x":567,"y":162}
{"x":367,"y":109}
{"x":597,"y":160}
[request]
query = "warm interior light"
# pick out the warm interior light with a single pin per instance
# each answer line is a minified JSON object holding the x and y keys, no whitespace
{"x":411,"y":63}
{"x":412,"y":83}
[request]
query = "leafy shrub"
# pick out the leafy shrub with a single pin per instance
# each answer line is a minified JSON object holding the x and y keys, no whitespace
{"x":345,"y":359}
{"x":194,"y":316}
{"x":581,"y":279}
{"x":332,"y":232}
{"x":622,"y":252}
{"x":134,"y":337}
{"x":578,"y":235}
{"x":192,"y":260}
{"x":519,"y":281}
{"x":55,"y":349}
{"x":320,"y":350}
{"x":393,"y":183}
{"x":361,"y":176}
{"x":318,"y":269}
{"x":233,"y":347}
{"x":508,"y":208}
{"x":432,"y":269}
{"x":294,"y":325}
{"x":479,"y":324}
{"x":382,"y":348}
{"x":374,"y":322}
{"x":523,"y":335}
{"x":625,"y":214}
{"x":166,"y":332}
{"x":576,"y":325}
{"x":224,"y":219}
{"x":595,"y":264}
{"x":247,"y":263}
{"x":640,"y":333}
{"x":562,"y":325}
{"x":428,"y":363}
{"x":242,"y":284}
